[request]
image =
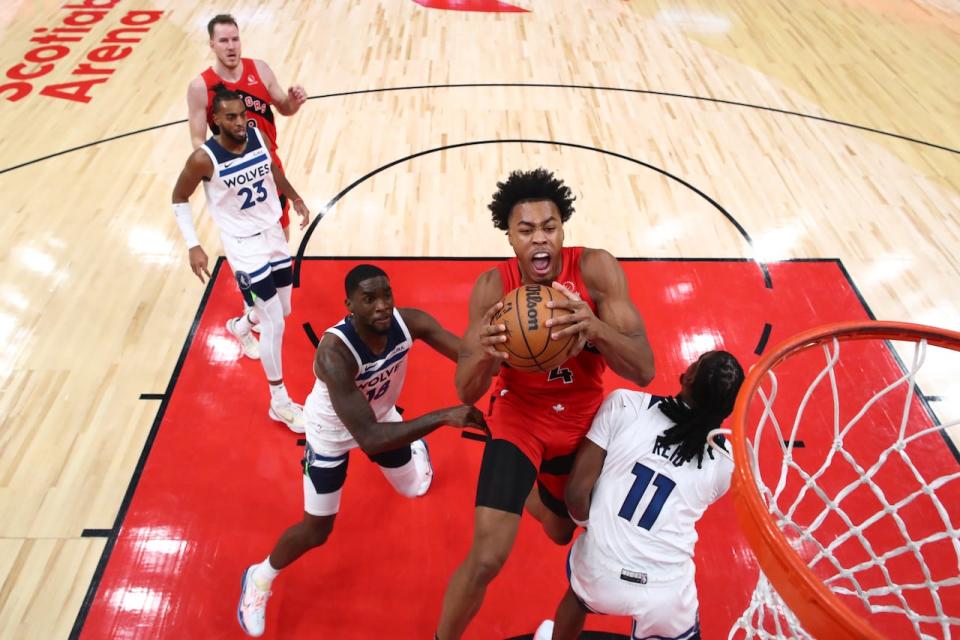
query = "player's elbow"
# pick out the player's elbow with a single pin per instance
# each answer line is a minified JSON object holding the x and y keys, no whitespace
{"x":643,"y":372}
{"x":368,"y":442}
{"x":645,"y":376}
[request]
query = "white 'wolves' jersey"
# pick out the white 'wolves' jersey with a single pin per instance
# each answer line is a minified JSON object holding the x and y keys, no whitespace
{"x":242,"y":195}
{"x":645,"y":506}
{"x":379,"y":378}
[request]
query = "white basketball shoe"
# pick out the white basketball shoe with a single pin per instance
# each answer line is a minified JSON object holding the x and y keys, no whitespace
{"x":421,"y":459}
{"x":544,"y":631}
{"x":252,"y":609}
{"x":248,"y":344}
{"x":289,"y":413}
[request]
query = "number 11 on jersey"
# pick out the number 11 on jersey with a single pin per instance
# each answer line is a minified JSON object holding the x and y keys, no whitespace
{"x":644,"y":475}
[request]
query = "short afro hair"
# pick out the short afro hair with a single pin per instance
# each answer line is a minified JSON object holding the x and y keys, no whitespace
{"x":529,"y":186}
{"x":360,"y":273}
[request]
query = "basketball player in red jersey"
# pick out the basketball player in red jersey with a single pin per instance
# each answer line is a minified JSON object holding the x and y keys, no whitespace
{"x":255,"y":82}
{"x":537,"y":420}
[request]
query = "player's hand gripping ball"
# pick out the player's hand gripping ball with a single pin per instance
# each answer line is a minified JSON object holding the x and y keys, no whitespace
{"x":528,"y":343}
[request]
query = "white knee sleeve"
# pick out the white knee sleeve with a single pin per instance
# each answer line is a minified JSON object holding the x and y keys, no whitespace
{"x":406,"y":479}
{"x":285,"y":294}
{"x":271,"y":336}
{"x":414,"y":478}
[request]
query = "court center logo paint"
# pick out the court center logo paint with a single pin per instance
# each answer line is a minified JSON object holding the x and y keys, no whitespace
{"x":57,"y":43}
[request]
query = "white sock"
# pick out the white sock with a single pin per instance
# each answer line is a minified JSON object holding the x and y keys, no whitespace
{"x":242,"y":325}
{"x":263,"y":575}
{"x":278,"y":393}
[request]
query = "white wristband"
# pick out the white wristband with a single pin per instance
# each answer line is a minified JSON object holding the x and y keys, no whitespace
{"x":184,"y":216}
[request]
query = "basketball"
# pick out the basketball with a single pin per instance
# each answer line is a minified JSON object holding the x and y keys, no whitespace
{"x":529,"y":344}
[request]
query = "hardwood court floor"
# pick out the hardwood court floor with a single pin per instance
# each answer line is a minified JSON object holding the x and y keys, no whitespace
{"x":96,"y":298}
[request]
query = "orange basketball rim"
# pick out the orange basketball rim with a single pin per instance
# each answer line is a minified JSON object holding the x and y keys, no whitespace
{"x":818,"y":609}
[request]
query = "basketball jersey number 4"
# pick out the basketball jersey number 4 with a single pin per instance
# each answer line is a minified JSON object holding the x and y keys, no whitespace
{"x":644,"y":475}
{"x":560,"y":373}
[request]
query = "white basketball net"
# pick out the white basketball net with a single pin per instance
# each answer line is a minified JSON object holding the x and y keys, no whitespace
{"x":767,"y":616}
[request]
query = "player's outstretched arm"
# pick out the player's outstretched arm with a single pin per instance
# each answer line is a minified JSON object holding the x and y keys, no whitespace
{"x":586,"y":470}
{"x":336,"y":367}
{"x":425,"y":327}
{"x":287,"y":102}
{"x":478,"y":360}
{"x":617,"y":330}
{"x":197,"y":111}
{"x":197,"y":167}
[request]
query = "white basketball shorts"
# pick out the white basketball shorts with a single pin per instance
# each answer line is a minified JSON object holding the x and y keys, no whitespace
{"x":662,"y":600}
{"x":259,"y":255}
{"x":325,"y":465}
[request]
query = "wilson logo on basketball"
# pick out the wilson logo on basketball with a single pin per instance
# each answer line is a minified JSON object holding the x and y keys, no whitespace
{"x":533,"y":299}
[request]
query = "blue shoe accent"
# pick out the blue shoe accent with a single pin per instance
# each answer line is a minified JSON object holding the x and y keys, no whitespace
{"x":243,"y":589}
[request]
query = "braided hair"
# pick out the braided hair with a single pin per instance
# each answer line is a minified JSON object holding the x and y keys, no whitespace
{"x":711,"y":395}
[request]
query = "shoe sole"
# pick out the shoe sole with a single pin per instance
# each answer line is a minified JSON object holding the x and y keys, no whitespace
{"x":426,"y":449}
{"x":243,"y":588}
{"x":276,"y":416}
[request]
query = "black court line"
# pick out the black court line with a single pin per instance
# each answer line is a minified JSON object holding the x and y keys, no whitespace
{"x":142,"y":461}
{"x":764,"y":337}
{"x":532,"y":85}
{"x":473,"y":435}
{"x":402,"y":258}
{"x":933,"y":398}
{"x":761,"y":342}
{"x":648,"y":92}
{"x":111,"y":534}
{"x":90,"y":144}
{"x":311,"y":334}
{"x":152,"y":396}
{"x":924,"y":401}
{"x":333,"y":201}
{"x":586,"y":635}
{"x":796,"y":444}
